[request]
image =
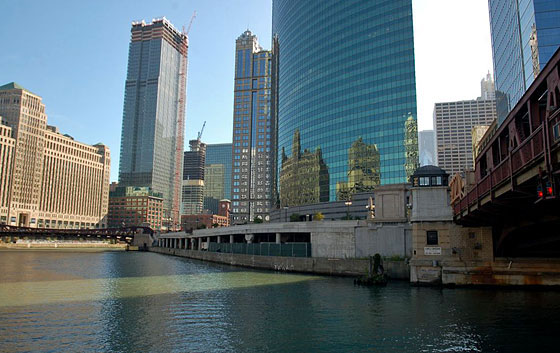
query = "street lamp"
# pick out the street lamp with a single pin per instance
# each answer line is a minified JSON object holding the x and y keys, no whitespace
{"x":371,"y":207}
{"x":348,"y":203}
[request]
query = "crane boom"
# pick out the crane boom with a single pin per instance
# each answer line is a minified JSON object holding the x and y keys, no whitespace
{"x":201,"y":130}
{"x":190,"y":23}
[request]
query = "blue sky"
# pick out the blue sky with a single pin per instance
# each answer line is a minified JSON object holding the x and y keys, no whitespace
{"x":74,"y":55}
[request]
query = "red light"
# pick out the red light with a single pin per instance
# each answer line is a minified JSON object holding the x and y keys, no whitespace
{"x":540,"y":193}
{"x":549,"y":190}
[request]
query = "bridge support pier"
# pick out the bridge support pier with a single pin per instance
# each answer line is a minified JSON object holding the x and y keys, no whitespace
{"x":231,"y":239}
{"x":278,"y":238}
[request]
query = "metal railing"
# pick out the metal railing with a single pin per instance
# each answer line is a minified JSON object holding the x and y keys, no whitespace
{"x":263,"y":249}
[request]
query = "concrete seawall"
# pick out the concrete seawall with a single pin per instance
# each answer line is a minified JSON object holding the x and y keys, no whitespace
{"x":324,"y":266}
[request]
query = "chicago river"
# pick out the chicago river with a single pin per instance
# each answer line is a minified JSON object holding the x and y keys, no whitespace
{"x":130,"y":302}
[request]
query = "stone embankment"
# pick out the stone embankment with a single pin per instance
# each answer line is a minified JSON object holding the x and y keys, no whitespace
{"x":323,"y":266}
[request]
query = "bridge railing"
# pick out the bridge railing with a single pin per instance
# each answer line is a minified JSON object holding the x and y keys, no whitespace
{"x":525,"y":154}
{"x":45,"y":232}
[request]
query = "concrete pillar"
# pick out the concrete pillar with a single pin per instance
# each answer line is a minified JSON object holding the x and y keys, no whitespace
{"x":249,"y":238}
{"x":278,"y":238}
{"x":198,"y":240}
{"x":219,"y":239}
{"x":231,"y":239}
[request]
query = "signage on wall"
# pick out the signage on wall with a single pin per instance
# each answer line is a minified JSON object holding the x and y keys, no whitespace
{"x":432,"y":250}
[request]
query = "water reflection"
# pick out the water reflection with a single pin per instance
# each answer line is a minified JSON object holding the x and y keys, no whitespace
{"x":130,"y":302}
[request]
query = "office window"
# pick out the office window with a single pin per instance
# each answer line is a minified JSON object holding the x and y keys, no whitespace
{"x":432,"y":237}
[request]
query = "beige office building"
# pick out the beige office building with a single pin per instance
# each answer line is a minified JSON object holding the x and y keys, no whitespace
{"x":454,"y":123}
{"x":56,"y":182}
{"x":7,"y":144}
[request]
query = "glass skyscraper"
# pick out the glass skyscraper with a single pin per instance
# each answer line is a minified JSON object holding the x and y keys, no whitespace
{"x":253,"y":139}
{"x":344,"y":78}
{"x":220,"y":153}
{"x":153,"y":114}
{"x":525,"y":34}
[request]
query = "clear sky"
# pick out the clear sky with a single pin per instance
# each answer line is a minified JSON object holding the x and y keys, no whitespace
{"x":74,"y":54}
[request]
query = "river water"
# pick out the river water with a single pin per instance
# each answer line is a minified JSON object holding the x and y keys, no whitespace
{"x":144,"y":302}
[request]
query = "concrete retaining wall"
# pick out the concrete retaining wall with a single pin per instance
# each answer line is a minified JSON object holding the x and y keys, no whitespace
{"x":387,"y":239}
{"x":325,"y":266}
{"x":501,"y":272}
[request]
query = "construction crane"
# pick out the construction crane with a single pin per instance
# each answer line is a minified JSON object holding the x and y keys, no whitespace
{"x":190,"y":24}
{"x":200,"y":132}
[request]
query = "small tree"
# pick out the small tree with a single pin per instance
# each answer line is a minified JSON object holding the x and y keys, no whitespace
{"x":318,"y":216}
{"x":257,"y":219}
{"x":295,"y":217}
{"x":215,"y":225}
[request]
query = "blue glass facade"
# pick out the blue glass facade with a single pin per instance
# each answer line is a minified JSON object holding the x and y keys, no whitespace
{"x":151,"y":129}
{"x":221,"y":154}
{"x":525,"y":34}
{"x":252,"y":157}
{"x":345,"y":72}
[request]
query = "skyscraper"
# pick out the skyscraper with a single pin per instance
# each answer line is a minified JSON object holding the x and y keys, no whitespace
{"x":193,"y":178}
{"x":345,"y":70}
{"x":454,"y":123}
{"x":427,"y":147}
{"x":153,"y":114}
{"x":487,"y":88}
{"x":217,"y":175}
{"x":253,"y":132}
{"x":525,"y":34}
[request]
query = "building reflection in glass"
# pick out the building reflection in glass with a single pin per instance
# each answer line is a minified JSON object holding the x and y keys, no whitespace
{"x":411,"y":146}
{"x":304,"y":177}
{"x":364,"y":170}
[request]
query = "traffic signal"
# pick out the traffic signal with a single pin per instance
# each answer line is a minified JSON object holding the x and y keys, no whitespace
{"x":540,"y":192}
{"x":548,"y":188}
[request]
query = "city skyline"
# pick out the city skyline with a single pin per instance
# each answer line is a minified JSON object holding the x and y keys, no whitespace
{"x":104,"y":75}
